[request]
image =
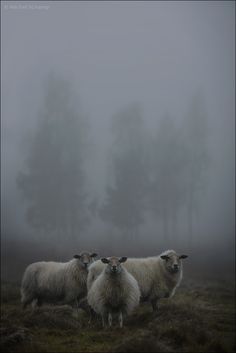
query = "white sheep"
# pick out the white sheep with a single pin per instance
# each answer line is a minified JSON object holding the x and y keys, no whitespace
{"x":115,"y":291}
{"x":158,"y":276}
{"x":56,"y":282}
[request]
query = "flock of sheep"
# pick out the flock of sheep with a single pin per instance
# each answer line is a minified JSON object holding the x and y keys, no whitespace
{"x":111,"y":286}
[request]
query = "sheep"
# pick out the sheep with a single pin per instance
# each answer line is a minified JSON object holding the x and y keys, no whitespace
{"x":56,"y":282}
{"x":158,"y":276}
{"x":115,"y":291}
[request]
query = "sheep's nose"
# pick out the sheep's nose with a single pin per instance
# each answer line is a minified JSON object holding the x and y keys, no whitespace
{"x":176,"y":266}
{"x":114,"y":268}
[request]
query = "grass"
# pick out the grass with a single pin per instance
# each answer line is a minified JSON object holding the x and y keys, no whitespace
{"x":199,"y":318}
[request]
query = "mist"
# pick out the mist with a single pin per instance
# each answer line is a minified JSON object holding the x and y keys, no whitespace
{"x":118,"y":131}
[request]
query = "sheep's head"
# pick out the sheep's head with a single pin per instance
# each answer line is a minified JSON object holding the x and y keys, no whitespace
{"x":113,"y":264}
{"x":85,"y":258}
{"x":173,"y":261}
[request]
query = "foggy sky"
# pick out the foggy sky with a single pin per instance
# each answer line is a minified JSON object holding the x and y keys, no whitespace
{"x":156,"y":53}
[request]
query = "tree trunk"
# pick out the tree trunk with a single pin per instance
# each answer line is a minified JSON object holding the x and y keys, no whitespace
{"x":174,"y":227}
{"x":165,"y":227}
{"x":190,"y":219}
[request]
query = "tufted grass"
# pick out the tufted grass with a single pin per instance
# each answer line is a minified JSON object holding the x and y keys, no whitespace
{"x":199,"y":318}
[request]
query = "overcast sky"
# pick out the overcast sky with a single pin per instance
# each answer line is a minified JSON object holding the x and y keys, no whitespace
{"x":157,"y":53}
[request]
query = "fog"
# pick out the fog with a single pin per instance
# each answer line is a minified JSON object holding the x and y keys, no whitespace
{"x":117,"y":130}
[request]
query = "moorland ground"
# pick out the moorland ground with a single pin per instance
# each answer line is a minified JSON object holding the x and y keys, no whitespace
{"x":199,"y":318}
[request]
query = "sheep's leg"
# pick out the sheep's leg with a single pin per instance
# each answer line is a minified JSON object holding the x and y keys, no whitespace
{"x":103,"y":322}
{"x":154,"y":305}
{"x":121,"y":319}
{"x":110,"y":319}
{"x":26,"y":300}
{"x":39,"y":302}
{"x":83,"y":304}
{"x":92,"y":315}
{"x":77,"y":306}
{"x":34,"y":304}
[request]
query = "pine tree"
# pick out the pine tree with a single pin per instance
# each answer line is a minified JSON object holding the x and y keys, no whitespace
{"x":125,"y":203}
{"x":54,"y":182}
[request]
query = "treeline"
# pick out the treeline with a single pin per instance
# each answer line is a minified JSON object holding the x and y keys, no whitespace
{"x":159,"y":174}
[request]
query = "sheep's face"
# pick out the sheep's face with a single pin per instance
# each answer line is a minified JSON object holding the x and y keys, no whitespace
{"x":85,"y":258}
{"x":173,"y":262}
{"x":113,"y":264}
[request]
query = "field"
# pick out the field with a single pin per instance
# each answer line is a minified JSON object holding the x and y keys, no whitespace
{"x":199,"y":318}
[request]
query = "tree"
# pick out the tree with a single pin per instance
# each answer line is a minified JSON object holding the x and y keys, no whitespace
{"x":54,"y":182}
{"x":125,"y":202}
{"x":166,"y":168}
{"x":195,"y":133}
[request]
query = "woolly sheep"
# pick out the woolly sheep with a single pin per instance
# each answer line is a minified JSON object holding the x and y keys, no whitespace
{"x":158,"y":276}
{"x":115,"y":291}
{"x":56,"y":282}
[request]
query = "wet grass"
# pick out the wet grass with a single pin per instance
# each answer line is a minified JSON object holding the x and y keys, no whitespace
{"x":199,"y":318}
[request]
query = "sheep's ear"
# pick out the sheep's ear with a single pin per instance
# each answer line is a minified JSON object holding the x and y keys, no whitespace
{"x":94,"y":254}
{"x":104,"y":260}
{"x":77,"y":256}
{"x":165,"y":257}
{"x":183,"y":256}
{"x":122,"y":259}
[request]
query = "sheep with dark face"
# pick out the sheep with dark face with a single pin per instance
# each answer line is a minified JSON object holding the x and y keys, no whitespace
{"x":157,"y":276}
{"x":115,"y":291}
{"x":56,"y":282}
